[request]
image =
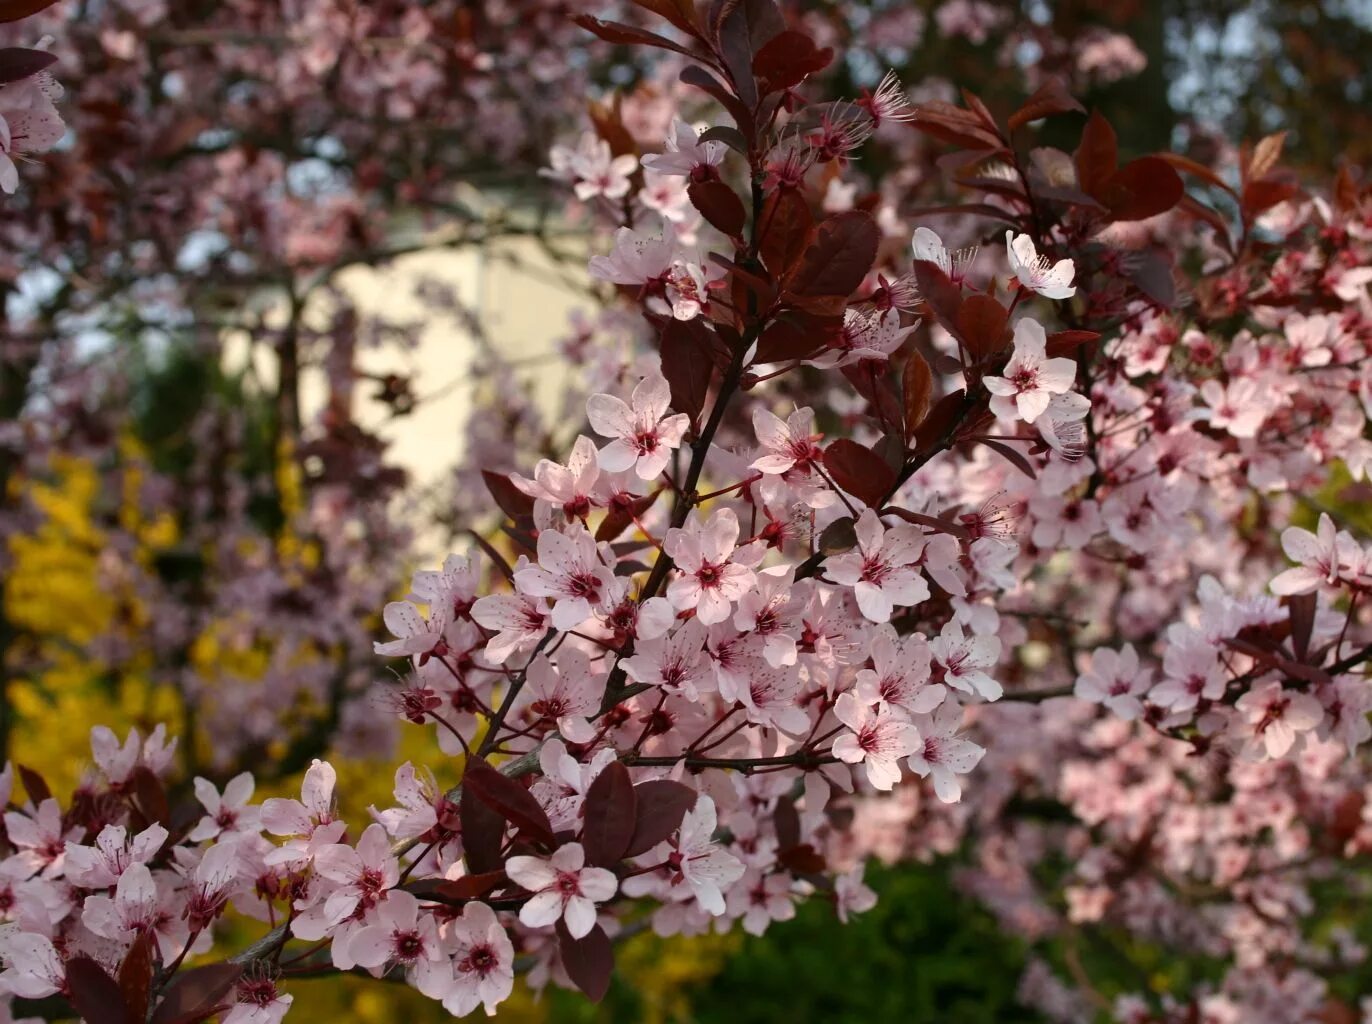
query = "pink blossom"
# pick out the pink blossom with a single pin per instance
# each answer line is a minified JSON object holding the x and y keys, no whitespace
{"x":571,"y":571}
{"x":943,"y":754}
{"x":482,"y":962}
{"x":713,"y":571}
{"x":563,"y":889}
{"x":1039,"y":273}
{"x":643,"y":439}
{"x":1030,"y":379}
{"x":880,"y":735}
{"x":1325,"y":557}
{"x":882,"y":571}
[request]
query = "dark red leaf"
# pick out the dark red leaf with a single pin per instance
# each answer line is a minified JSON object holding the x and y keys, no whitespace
{"x":468,"y":887}
{"x":1051,"y":98}
{"x":718,"y":204}
{"x":873,"y":381}
{"x":941,"y":294}
{"x":19,"y":62}
{"x":609,"y":814}
{"x":483,"y":833}
{"x":1015,"y":457}
{"x":512,"y":501}
{"x":687,"y":365}
{"x":696,"y":75}
{"x":34,"y":784}
{"x":589,"y":961}
{"x":135,"y":976}
{"x":787,"y":823}
{"x":608,"y":121}
{"x":953,"y":124}
{"x":796,"y":334}
{"x":803,"y":860}
{"x":945,"y":415}
{"x":1264,"y":194}
{"x":742,"y":29}
{"x":1190,"y":166}
{"x":628,"y":35}
{"x":788,"y":58}
{"x":1064,"y":343}
{"x":13,"y":10}
{"x":94,"y":994}
{"x":859,"y":471}
{"x":929,"y":522}
{"x":1301,"y":609}
{"x":918,"y":387}
{"x":727,"y":134}
{"x":680,"y":13}
{"x":1141,"y":189}
{"x":786,"y":224}
{"x":661,"y":805}
{"x":1097,"y":156}
{"x":197,"y":994}
{"x":508,"y":798}
{"x":983,"y":324}
{"x":840,"y":253}
{"x":150,"y":795}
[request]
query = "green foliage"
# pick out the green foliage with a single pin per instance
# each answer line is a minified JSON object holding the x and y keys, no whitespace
{"x":924,"y":955}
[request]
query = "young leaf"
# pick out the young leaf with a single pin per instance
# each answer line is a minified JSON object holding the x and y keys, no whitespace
{"x":687,"y":365}
{"x":787,"y":223}
{"x":589,"y":961}
{"x":135,"y":976}
{"x":483,"y":833}
{"x":941,"y":294}
{"x":718,"y":204}
{"x":609,"y":814}
{"x":94,"y":994}
{"x":628,"y":35}
{"x":19,"y":62}
{"x":507,"y":798}
{"x":859,"y":471}
{"x":918,"y":384}
{"x":661,"y":804}
{"x":1141,"y":189}
{"x":983,"y":325}
{"x":511,"y":500}
{"x":680,"y":13}
{"x":953,"y":124}
{"x":788,"y":58}
{"x":841,"y":252}
{"x":197,"y":994}
{"x":1097,"y":156}
{"x":1051,"y":98}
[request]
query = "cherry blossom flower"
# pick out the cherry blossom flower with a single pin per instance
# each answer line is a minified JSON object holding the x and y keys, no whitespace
{"x":33,"y":970}
{"x":1273,"y":719}
{"x":417,"y":636}
{"x":314,"y":810}
{"x":900,"y":673}
{"x":101,"y":865}
{"x":882,"y":571}
{"x":880,"y":735}
{"x":570,"y":489}
{"x":865,"y":335}
{"x":137,"y":906}
{"x":1325,"y":557}
{"x":569,"y":570}
{"x":363,"y":875}
{"x":567,"y":693}
{"x":1239,"y":409}
{"x":598,"y":172}
{"x":927,"y":245}
{"x":258,"y":1001}
{"x":888,"y":102}
{"x":1115,"y":680}
{"x":563,"y":887}
{"x":760,"y":899}
{"x":419,"y":802}
{"x":790,"y":444}
{"x":482,"y":962}
{"x":118,"y":762}
{"x":685,"y":155}
{"x":852,"y":895}
{"x":227,"y":813}
{"x":714,"y":572}
{"x":943,"y":754}
{"x":1038,"y":273}
{"x":1030,"y":379}
{"x":673,"y":283}
{"x":401,"y":935}
{"x":676,"y":663}
{"x":39,"y":839}
{"x":961,"y":660}
{"x":1191,"y":674}
{"x":643,"y":439}
{"x":699,"y":862}
{"x":519,"y":622}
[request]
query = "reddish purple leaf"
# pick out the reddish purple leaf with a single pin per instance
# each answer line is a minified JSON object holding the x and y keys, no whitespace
{"x":94,"y":994}
{"x":512,"y":501}
{"x":788,"y":59}
{"x":135,"y":976}
{"x":509,"y":799}
{"x":34,"y":784}
{"x":197,"y":994}
{"x":19,"y":62}
{"x":13,"y":10}
{"x":687,"y":365}
{"x":1141,"y":189}
{"x":483,"y":833}
{"x":1014,"y":456}
{"x":840,"y":253}
{"x":1097,"y":155}
{"x":589,"y":961}
{"x":718,"y":204}
{"x":609,"y":814}
{"x":661,"y":805}
{"x":1051,"y":98}
{"x":859,"y":471}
